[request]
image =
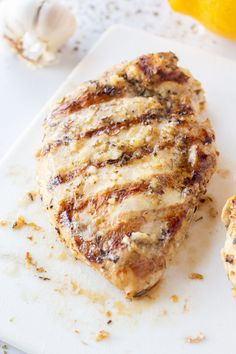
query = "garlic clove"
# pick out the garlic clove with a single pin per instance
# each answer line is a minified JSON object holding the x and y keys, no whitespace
{"x":36,"y":29}
{"x":32,"y":49}
{"x":19,"y":19}
{"x":55,"y":25}
{"x":35,"y":50}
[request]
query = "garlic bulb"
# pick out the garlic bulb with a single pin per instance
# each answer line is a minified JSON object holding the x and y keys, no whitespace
{"x":36,"y":29}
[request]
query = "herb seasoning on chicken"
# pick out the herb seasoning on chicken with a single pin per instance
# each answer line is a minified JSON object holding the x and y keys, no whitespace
{"x":124,"y":162}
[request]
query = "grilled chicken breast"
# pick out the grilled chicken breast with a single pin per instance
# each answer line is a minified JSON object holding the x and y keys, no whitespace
{"x":229,"y":251}
{"x":124,"y":162}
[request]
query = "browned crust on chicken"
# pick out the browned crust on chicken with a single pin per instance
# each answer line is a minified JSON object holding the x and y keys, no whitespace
{"x":124,"y":162}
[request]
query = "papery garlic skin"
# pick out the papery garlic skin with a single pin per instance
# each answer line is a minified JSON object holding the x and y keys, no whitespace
{"x":52,"y":17}
{"x":36,"y":29}
{"x":17,"y":16}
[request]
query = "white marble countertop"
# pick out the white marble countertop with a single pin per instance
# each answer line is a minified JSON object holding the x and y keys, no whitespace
{"x":23,"y":90}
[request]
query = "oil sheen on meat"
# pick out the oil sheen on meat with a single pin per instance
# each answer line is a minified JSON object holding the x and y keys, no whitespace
{"x":123,"y":164}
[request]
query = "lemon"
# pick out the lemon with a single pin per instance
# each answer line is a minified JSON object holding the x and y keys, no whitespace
{"x":219,"y":16}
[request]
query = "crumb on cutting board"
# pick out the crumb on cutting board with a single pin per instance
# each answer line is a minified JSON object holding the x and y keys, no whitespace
{"x":31,"y":196}
{"x":34,"y":226}
{"x":195,"y":339}
{"x":27,"y":199}
{"x":108,"y":313}
{"x":40,"y":269}
{"x":44,"y":278}
{"x":3,"y":222}
{"x":174,"y":298}
{"x":21,"y":222}
{"x":102,"y":335}
{"x":29,"y":261}
{"x":196,"y":276}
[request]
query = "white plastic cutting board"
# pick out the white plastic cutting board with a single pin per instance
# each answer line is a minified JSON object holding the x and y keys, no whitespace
{"x":40,"y":316}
